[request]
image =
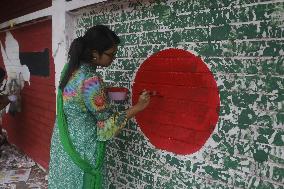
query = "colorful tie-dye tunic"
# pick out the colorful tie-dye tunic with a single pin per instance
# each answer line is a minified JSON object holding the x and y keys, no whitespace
{"x":90,"y":118}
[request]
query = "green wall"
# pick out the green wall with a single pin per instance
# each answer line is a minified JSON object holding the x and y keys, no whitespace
{"x":241,"y":41}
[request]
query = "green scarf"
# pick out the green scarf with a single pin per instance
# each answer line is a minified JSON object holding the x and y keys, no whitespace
{"x":92,"y":174}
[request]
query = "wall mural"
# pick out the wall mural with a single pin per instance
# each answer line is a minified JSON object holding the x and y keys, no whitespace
{"x":26,"y":53}
{"x":37,"y":62}
{"x":185,"y":103}
{"x":241,"y":42}
{"x":13,"y":66}
{"x":23,"y":64}
{"x":20,"y":66}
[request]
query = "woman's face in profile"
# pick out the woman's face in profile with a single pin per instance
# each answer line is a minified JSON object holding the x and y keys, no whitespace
{"x":106,"y":58}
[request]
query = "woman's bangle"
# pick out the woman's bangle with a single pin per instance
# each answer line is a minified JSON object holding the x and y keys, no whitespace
{"x":12,"y":98}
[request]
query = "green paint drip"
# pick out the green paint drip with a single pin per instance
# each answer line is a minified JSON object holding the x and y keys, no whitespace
{"x":247,"y":116}
{"x":264,"y":135}
{"x":216,"y":138}
{"x":230,"y":164}
{"x":260,"y":156}
{"x":279,"y":139}
{"x":244,"y":99}
{"x":162,"y":11}
{"x":276,"y":159}
{"x":229,"y":147}
{"x":280,"y":66}
{"x":278,"y":174}
{"x":243,"y":126}
{"x":262,"y":139}
{"x":195,"y":167}
{"x":188,"y":165}
{"x":173,"y":161}
{"x":280,"y":119}
{"x":216,"y":173}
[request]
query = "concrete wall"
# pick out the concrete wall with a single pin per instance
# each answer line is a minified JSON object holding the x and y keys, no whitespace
{"x":241,"y":41}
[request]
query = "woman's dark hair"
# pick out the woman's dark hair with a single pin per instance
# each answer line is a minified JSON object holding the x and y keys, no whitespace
{"x":2,"y":73}
{"x":99,"y":38}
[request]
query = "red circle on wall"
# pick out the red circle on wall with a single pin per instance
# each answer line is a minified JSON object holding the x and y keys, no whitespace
{"x":185,"y":107}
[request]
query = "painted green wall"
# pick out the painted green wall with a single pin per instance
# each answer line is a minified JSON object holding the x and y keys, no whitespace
{"x":241,"y":41}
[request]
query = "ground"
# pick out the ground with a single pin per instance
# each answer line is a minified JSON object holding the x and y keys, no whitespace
{"x":12,"y":159}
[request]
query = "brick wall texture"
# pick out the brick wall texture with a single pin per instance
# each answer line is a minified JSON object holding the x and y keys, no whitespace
{"x":241,"y":42}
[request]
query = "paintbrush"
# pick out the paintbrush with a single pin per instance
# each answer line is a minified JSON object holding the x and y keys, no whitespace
{"x":154,"y":94}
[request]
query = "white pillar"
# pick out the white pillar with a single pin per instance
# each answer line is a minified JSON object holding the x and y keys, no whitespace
{"x":58,"y":37}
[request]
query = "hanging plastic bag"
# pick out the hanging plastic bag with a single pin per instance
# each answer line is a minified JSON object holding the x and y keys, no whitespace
{"x":14,"y":90}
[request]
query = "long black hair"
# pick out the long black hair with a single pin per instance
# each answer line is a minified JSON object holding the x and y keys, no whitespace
{"x":99,"y":38}
{"x":2,"y":73}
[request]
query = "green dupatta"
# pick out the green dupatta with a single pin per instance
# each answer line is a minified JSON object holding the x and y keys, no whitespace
{"x":92,"y":174}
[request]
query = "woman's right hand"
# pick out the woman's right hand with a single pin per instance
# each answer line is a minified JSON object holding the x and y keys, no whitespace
{"x":143,"y":101}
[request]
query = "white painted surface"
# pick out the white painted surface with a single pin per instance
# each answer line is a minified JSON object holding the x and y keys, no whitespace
{"x":58,"y":37}
{"x":13,"y":66}
{"x":75,"y":4}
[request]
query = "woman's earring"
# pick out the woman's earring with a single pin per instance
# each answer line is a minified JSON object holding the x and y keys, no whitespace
{"x":95,"y":60}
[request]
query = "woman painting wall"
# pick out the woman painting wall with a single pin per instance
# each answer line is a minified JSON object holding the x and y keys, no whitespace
{"x":85,"y":119}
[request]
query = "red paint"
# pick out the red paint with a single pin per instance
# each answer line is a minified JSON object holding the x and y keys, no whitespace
{"x":183,"y":120}
{"x":31,"y":129}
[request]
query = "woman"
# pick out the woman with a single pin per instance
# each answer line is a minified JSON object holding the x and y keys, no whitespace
{"x":85,"y":120}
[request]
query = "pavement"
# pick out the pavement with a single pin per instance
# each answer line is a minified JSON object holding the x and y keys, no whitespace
{"x":18,"y":171}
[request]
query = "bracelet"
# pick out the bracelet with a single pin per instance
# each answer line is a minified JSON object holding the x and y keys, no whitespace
{"x":12,"y":98}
